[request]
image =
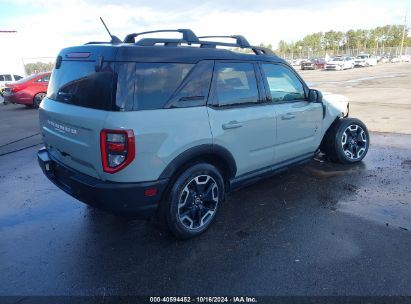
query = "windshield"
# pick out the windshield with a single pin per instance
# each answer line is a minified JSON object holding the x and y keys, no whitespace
{"x":361,"y":57}
{"x":337,"y":59}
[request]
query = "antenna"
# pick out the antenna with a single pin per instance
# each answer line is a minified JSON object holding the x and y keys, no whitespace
{"x":114,"y":39}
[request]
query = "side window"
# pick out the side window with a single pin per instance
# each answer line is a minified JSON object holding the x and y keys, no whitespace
{"x":236,"y":83}
{"x":17,"y":77}
{"x":156,"y":82}
{"x":2,"y":78}
{"x":193,"y":92}
{"x":44,"y":79}
{"x":283,"y":84}
{"x":7,"y":77}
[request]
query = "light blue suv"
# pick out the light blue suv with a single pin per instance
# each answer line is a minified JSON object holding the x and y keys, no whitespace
{"x":168,"y":127}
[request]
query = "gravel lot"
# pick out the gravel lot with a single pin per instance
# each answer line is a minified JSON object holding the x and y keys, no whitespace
{"x":318,"y":229}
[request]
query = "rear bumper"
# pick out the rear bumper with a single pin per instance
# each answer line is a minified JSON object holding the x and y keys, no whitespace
{"x":117,"y":198}
{"x":332,"y":67}
{"x":308,"y":67}
{"x":15,"y":98}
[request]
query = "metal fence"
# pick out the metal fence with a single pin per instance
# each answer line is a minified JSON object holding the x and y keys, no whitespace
{"x":381,"y":51}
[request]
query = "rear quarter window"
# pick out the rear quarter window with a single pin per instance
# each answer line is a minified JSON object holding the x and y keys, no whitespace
{"x":155,"y":83}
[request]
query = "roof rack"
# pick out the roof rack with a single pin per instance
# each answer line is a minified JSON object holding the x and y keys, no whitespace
{"x":190,"y":38}
{"x":188,"y":35}
{"x":240,"y":40}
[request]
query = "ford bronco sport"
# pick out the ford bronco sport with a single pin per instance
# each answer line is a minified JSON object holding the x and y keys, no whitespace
{"x":170,"y":126}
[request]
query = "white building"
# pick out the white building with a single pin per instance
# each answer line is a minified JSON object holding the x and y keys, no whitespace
{"x":10,"y":54}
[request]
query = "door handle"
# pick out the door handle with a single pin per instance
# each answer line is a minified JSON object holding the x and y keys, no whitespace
{"x":288,"y":116}
{"x":232,"y":125}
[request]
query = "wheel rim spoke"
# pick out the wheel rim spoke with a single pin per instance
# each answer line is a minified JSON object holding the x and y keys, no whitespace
{"x":198,"y":202}
{"x":354,"y":142}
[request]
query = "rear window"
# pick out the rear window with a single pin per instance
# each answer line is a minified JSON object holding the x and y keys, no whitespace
{"x":27,"y":78}
{"x":78,"y":83}
{"x":119,"y":86}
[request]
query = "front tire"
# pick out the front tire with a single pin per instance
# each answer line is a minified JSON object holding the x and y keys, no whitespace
{"x":347,"y":141}
{"x":194,"y":199}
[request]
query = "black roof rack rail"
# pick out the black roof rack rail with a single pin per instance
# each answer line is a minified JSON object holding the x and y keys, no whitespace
{"x":190,"y":38}
{"x":188,"y":35}
{"x":240,"y":40}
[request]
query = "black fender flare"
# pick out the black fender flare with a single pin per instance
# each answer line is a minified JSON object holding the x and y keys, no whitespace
{"x":193,"y":153}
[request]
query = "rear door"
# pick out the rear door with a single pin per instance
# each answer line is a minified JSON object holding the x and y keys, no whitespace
{"x":41,"y":84}
{"x":240,"y":121}
{"x":298,"y":120}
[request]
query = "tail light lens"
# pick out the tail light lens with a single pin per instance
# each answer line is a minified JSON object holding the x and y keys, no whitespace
{"x":118,"y":149}
{"x":15,"y":88}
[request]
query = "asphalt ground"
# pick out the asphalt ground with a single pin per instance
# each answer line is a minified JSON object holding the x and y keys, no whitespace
{"x":317,"y":229}
{"x":379,"y":95}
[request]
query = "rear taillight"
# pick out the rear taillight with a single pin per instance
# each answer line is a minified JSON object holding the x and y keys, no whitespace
{"x":15,"y":88}
{"x":118,"y":149}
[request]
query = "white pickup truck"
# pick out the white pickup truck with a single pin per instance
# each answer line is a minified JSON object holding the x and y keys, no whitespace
{"x":364,"y":60}
{"x":6,"y":78}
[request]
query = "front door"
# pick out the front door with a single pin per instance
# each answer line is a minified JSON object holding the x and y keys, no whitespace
{"x":240,"y":121}
{"x":298,"y":120}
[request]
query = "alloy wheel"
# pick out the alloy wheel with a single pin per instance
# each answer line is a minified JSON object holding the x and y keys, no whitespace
{"x":198,"y":202}
{"x":354,"y":142}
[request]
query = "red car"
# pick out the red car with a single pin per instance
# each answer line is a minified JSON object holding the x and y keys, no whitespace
{"x":29,"y":91}
{"x":313,"y":64}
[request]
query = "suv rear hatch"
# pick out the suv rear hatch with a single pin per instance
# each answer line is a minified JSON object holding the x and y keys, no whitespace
{"x":82,"y":89}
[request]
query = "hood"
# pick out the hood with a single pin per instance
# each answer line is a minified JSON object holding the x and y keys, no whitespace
{"x":335,"y":62}
{"x":336,"y":103}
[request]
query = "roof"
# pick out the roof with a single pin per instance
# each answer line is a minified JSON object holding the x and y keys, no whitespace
{"x":189,"y":49}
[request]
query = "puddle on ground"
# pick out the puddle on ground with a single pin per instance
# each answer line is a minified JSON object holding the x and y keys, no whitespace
{"x":377,"y":189}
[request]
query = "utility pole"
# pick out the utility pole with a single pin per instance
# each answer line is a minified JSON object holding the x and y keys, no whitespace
{"x":403,"y":34}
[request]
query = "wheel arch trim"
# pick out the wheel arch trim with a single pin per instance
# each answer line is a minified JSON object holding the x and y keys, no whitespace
{"x":193,"y":153}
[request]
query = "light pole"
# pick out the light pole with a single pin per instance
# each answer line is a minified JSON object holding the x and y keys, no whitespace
{"x":403,"y":33}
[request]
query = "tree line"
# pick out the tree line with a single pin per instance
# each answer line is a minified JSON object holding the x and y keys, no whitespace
{"x":37,"y":67}
{"x":360,"y":39}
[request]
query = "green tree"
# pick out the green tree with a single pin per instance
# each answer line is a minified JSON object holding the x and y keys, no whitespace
{"x":33,"y":68}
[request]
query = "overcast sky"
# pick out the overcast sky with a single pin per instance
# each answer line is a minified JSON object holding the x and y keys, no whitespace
{"x":46,"y":26}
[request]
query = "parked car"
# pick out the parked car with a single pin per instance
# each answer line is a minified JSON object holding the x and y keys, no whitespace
{"x":384,"y":59}
{"x":351,"y":61}
{"x":365,"y":60}
{"x":313,"y":64}
{"x":297,"y":62}
{"x":8,"y":78}
{"x":395,"y":59}
{"x":405,"y":58}
{"x":339,"y":63}
{"x":28,"y":91}
{"x":170,"y":129}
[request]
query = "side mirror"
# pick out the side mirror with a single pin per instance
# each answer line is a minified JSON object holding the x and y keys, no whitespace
{"x":315,"y":95}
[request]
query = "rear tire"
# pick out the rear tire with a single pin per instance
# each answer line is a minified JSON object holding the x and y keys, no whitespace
{"x":37,"y":99}
{"x":346,"y":141}
{"x":193,"y":202}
